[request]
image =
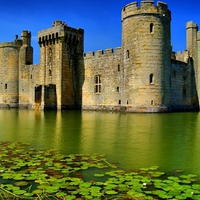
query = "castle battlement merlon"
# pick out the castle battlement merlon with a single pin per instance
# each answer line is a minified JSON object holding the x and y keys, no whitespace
{"x":26,"y":33}
{"x":105,"y":52}
{"x":181,"y":56}
{"x":191,"y":24}
{"x":26,"y":37}
{"x":58,"y":30}
{"x":146,"y":7}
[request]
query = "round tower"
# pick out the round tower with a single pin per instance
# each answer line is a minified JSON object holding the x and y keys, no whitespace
{"x":146,"y":48}
{"x":9,"y":67}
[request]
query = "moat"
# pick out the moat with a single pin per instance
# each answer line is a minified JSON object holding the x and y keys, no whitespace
{"x":169,"y":140}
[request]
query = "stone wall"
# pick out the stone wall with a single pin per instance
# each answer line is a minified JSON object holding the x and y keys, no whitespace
{"x":61,"y":53}
{"x":141,"y":76}
{"x":146,"y":56}
{"x":103,"y":83}
{"x":9,"y":66}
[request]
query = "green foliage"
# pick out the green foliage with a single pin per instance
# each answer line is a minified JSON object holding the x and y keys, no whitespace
{"x":42,"y":175}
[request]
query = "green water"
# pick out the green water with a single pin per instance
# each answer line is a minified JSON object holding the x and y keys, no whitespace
{"x":171,"y":140}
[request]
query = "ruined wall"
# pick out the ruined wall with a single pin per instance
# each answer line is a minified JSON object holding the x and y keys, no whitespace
{"x":103,"y":85}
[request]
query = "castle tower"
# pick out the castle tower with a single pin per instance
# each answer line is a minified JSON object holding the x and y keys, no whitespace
{"x":191,"y":32}
{"x":25,"y":58}
{"x":147,"y":56}
{"x":193,"y":46}
{"x":61,"y":62}
{"x":26,"y":51}
{"x":9,"y":73}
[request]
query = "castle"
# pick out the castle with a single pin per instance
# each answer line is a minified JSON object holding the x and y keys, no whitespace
{"x":143,"y":75}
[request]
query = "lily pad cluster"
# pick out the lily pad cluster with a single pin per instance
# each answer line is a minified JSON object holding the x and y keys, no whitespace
{"x":26,"y":173}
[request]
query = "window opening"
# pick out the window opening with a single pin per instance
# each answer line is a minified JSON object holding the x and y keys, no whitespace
{"x":117,"y":89}
{"x":97,"y":84}
{"x":118,"y":68}
{"x":119,"y":101}
{"x":152,"y":102}
{"x":151,"y":79}
{"x":151,"y":28}
{"x":6,"y":86}
{"x":127,"y":54}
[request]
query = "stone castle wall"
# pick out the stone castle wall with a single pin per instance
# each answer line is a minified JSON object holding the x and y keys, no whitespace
{"x":61,"y":55}
{"x":180,"y":85}
{"x":142,"y":75}
{"x":9,"y":71}
{"x":146,"y":50}
{"x":103,"y":80}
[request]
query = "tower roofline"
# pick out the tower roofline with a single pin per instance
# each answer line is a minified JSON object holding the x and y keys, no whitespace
{"x":146,"y":7}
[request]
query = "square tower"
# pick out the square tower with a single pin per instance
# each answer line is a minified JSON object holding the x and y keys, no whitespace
{"x":61,"y":65}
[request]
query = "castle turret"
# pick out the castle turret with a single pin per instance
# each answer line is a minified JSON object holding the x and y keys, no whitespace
{"x":146,"y":48}
{"x":193,"y":46}
{"x":26,"y":52}
{"x":191,"y":30}
{"x":9,"y":73}
{"x":25,"y":58}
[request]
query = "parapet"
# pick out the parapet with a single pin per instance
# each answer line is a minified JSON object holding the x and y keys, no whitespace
{"x":106,"y":52}
{"x":26,"y":33}
{"x":181,"y":56}
{"x":191,"y":24}
{"x":26,"y":37}
{"x":58,"y":23}
{"x":148,"y":6}
{"x":58,"y":30}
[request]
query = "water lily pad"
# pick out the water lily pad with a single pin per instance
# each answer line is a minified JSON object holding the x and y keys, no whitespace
{"x":37,"y":191}
{"x":21,"y":183}
{"x":99,"y":175}
{"x":61,"y":194}
{"x":111,"y":192}
{"x":19,"y":192}
{"x":27,"y":194}
{"x":51,"y":189}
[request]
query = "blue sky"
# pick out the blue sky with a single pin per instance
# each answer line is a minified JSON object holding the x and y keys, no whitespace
{"x":101,"y":20}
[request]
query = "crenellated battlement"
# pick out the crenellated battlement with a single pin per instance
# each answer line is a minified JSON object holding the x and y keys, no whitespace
{"x":59,"y":30}
{"x":192,"y":25}
{"x":146,"y":7}
{"x":105,"y":52}
{"x":26,"y":37}
{"x":181,"y":56}
{"x":143,"y":75}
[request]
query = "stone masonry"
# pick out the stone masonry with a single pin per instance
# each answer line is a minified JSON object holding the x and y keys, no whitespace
{"x":143,"y":75}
